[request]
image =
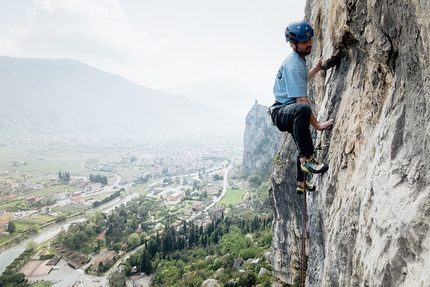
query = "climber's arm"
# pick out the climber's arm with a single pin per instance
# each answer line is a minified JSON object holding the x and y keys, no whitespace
{"x":318,"y":67}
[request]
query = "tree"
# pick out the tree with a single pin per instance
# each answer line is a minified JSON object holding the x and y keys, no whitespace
{"x":247,"y":280}
{"x":97,"y":248}
{"x":60,"y":218}
{"x":21,"y":205}
{"x":184,"y":228}
{"x":16,"y":280}
{"x":32,"y":244}
{"x":152,"y":247}
{"x":36,"y":228}
{"x":61,"y":234}
{"x":116,"y":279}
{"x":101,"y":267}
{"x":98,"y":178}
{"x":134,"y":240}
{"x":64,"y":176}
{"x":217,"y":177}
{"x":117,"y":246}
{"x":11,"y":227}
{"x":146,"y":262}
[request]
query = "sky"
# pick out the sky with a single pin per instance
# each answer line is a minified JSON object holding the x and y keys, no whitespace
{"x":157,"y":43}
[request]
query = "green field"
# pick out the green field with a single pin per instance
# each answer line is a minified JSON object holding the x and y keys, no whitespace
{"x":44,"y":162}
{"x":5,"y":238}
{"x":99,"y":196}
{"x":5,"y":206}
{"x":51,"y":190}
{"x":43,"y":218}
{"x":25,"y":225}
{"x":232,"y":196}
{"x":129,"y":174}
{"x":40,"y":163}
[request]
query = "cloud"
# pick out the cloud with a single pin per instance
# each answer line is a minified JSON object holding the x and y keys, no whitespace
{"x":156,"y":43}
{"x":100,"y":21}
{"x":10,"y":48}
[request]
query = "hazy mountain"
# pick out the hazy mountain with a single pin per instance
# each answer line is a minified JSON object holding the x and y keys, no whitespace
{"x":69,"y":97}
{"x":227,"y":96}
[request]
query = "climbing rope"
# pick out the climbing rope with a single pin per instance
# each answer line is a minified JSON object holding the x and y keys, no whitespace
{"x":304,"y":233}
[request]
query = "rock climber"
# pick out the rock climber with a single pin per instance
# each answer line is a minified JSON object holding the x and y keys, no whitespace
{"x":291,"y":111}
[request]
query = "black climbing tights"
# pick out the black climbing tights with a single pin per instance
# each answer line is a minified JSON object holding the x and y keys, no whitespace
{"x":295,"y":119}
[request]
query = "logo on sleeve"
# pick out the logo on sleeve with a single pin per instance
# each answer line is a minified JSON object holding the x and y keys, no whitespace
{"x":280,"y":73}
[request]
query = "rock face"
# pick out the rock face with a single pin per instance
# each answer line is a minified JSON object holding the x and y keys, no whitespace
{"x":210,"y":283}
{"x":260,"y":141}
{"x":368,"y":222}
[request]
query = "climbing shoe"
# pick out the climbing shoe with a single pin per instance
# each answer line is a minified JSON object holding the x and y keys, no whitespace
{"x":309,"y":187}
{"x":313,"y":166}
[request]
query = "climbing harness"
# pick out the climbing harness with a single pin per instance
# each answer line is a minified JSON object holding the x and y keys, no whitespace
{"x":304,"y":234}
{"x":276,"y":105}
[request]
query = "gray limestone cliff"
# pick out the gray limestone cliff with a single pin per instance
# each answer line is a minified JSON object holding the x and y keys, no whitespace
{"x":261,"y":141}
{"x":368,"y":221}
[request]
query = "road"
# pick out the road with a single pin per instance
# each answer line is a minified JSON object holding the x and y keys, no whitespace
{"x":7,"y":256}
{"x":217,"y":199}
{"x":224,"y":190}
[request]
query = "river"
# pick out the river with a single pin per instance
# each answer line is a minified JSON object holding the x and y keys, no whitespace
{"x":9,"y":255}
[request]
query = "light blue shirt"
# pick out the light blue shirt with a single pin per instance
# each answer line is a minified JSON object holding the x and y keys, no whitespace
{"x":291,"y":80}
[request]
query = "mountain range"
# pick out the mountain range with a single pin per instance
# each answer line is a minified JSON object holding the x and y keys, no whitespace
{"x":64,"y":96}
{"x":223,"y":95}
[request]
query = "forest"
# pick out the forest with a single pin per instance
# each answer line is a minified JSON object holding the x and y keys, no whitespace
{"x":230,"y":249}
{"x":181,"y":253}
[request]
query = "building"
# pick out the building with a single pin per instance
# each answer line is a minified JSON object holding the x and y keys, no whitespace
{"x":216,"y":212}
{"x":53,"y":261}
{"x":101,"y":236}
{"x":93,"y":187}
{"x":158,"y":190}
{"x":6,"y":185}
{"x":3,"y":226}
{"x":5,"y":216}
{"x":189,"y":180}
{"x":164,"y":194}
{"x":176,"y":196}
{"x":78,"y":179}
{"x":11,"y":198}
{"x":32,"y":199}
{"x":77,"y":194}
{"x":74,"y":265}
{"x":198,"y":205}
{"x":61,"y":196}
{"x":105,"y":257}
{"x":46,"y":210}
{"x":77,"y":200}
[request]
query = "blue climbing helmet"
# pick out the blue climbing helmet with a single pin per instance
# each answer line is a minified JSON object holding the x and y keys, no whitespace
{"x":298,"y":31}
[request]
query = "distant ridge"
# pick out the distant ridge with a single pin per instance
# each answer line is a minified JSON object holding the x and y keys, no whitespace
{"x":44,"y":96}
{"x":223,"y":95}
